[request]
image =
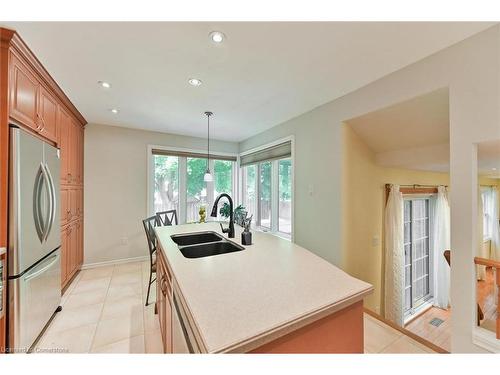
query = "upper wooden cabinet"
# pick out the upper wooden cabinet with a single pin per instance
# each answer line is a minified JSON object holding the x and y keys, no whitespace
{"x":65,"y":127}
{"x":71,"y":144}
{"x":31,"y":104}
{"x":47,"y":114}
{"x":24,"y":88}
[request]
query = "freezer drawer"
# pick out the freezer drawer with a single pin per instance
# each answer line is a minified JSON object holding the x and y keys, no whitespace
{"x":33,"y":298}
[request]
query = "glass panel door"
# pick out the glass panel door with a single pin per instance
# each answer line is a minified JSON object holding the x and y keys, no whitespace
{"x":417,"y":253}
{"x":265,"y":194}
{"x":285,"y":196}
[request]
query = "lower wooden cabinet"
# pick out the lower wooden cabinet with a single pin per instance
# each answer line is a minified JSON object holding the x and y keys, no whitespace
{"x":164,"y":303}
{"x":71,"y":250}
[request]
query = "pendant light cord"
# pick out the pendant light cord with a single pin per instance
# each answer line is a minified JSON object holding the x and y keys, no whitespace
{"x":208,"y":139}
{"x":208,"y":143}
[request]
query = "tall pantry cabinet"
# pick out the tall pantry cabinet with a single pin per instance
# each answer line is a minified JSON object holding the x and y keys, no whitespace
{"x":32,"y":100}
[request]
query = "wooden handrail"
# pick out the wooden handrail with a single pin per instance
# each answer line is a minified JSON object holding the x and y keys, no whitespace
{"x":496,"y":265}
{"x":486,"y":262}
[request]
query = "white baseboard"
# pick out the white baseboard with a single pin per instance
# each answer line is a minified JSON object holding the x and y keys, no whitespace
{"x":114,"y":262}
{"x":486,"y":340}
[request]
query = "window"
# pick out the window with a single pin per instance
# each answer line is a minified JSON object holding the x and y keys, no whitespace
{"x":267,"y":179}
{"x":249,"y":180}
{"x":487,"y":197}
{"x":223,"y":173}
{"x":166,"y":183}
{"x":177,"y":180}
{"x":417,"y":253}
{"x":196,"y":188}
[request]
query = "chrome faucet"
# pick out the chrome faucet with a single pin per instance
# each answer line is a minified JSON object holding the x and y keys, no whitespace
{"x":230,"y":230}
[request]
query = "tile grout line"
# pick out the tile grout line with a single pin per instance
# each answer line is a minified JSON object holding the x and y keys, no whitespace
{"x":100,"y":314}
{"x":101,"y":319}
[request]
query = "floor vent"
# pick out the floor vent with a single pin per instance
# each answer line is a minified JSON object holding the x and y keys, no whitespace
{"x":436,"y":322}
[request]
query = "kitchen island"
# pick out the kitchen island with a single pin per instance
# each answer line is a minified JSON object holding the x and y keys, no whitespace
{"x":271,"y":297}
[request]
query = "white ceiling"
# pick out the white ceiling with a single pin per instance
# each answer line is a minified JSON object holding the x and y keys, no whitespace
{"x":262,"y":75}
{"x":418,"y":122}
{"x":415,"y":135}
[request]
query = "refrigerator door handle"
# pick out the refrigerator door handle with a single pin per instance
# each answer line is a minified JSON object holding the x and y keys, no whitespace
{"x":37,"y":204}
{"x":52,"y":201}
{"x":36,"y":271}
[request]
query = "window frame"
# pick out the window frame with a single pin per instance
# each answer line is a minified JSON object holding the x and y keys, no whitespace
{"x":182,"y":173}
{"x":274,"y":189}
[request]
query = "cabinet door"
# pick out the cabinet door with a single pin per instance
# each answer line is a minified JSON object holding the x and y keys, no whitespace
{"x":65,"y":257}
{"x":81,"y":140}
{"x":23,"y":100}
{"x":79,"y":244}
{"x":48,"y":114}
{"x":73,"y":249}
{"x":168,"y":322}
{"x":65,"y":206}
{"x":73,"y":202}
{"x":65,"y":146}
{"x":160,"y":300}
{"x":74,"y":152}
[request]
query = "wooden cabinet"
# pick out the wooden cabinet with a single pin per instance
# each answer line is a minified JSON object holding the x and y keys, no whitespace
{"x":65,"y":126}
{"x":65,"y":254}
{"x":71,"y":250}
{"x":65,"y":206}
{"x":80,"y":136}
{"x":164,"y":303}
{"x":23,"y":96}
{"x":30,"y":103}
{"x":79,"y":243}
{"x":47,"y":114}
{"x":31,"y":99}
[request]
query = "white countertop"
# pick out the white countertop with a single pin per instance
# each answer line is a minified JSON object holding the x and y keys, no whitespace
{"x":266,"y":290}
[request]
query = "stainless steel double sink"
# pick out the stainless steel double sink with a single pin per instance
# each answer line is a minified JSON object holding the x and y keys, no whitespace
{"x":204,"y":244}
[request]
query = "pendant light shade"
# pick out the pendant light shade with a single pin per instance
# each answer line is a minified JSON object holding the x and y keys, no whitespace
{"x":208,"y":175}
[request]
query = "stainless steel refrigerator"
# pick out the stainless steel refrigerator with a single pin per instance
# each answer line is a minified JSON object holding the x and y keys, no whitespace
{"x":34,"y":272}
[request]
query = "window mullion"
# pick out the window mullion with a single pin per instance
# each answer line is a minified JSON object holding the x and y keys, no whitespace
{"x":257,"y":198}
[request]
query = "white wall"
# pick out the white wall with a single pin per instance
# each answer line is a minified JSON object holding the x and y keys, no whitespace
{"x":116,"y":187}
{"x":470,"y":70}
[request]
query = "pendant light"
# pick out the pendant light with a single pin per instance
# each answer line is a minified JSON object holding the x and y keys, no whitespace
{"x":208,"y":176}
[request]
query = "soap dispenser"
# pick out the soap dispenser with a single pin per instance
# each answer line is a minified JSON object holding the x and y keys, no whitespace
{"x":246,"y":235}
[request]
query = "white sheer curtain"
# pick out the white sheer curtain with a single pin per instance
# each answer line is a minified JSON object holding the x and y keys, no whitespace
{"x":441,"y":242}
{"x":394,"y":256}
{"x":491,"y":209}
{"x":480,"y":270}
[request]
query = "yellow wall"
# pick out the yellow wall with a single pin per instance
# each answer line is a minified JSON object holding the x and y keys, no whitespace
{"x":363,"y":204}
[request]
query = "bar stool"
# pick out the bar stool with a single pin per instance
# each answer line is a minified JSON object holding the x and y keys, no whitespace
{"x":167,"y":217}
{"x":149,"y":225}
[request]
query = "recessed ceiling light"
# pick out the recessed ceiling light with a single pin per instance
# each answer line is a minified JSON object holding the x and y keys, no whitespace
{"x":493,"y":169}
{"x":194,"y":82}
{"x":105,"y":85}
{"x":114,"y":110}
{"x":217,"y":36}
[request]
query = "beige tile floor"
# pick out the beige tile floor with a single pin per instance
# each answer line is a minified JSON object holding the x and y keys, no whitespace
{"x":104,"y":312}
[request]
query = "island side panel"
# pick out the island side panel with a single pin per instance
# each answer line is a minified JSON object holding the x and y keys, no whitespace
{"x":341,"y":332}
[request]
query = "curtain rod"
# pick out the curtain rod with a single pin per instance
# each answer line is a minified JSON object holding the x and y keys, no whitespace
{"x":418,"y":186}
